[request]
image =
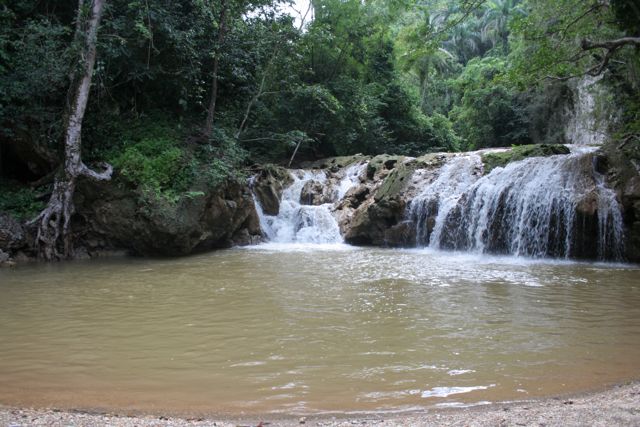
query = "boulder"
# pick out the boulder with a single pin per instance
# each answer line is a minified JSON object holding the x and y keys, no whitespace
{"x":380,"y":218}
{"x":315,"y":193}
{"x":12,"y":234}
{"x":124,"y":218}
{"x":622,"y":170}
{"x":268,"y":186}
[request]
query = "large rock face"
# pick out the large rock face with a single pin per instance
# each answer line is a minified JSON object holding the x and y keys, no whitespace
{"x":122,"y":218}
{"x":268,"y":186}
{"x":621,"y":164}
{"x":380,"y":203}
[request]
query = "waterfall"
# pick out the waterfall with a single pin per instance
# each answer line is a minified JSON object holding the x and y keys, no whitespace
{"x":297,"y":223}
{"x":584,"y":127}
{"x":304,"y":223}
{"x":554,"y":206}
{"x":433,"y":204}
{"x":351,"y":179}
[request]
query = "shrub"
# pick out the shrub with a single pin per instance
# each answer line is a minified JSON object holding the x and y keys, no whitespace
{"x":21,"y":202}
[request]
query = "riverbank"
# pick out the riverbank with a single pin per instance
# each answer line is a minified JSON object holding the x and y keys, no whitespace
{"x":618,"y":406}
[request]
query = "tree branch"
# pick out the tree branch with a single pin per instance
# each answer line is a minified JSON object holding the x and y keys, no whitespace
{"x":98,"y":176}
{"x":611,"y":47}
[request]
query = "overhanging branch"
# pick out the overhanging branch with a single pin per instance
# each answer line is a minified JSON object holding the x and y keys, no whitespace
{"x":610,"y":47}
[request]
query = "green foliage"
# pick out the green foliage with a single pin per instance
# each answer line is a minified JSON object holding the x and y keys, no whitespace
{"x":157,"y":165}
{"x":368,"y":77}
{"x":490,"y":113}
{"x":19,"y":201}
{"x":549,"y":38}
{"x":222,"y":159}
{"x":164,"y":168}
{"x":627,"y":13}
{"x":34,"y":70}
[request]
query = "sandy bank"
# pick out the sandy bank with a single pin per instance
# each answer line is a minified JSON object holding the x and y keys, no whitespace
{"x":619,"y":406}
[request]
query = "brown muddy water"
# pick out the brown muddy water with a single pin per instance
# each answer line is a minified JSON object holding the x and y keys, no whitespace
{"x":310,"y":329}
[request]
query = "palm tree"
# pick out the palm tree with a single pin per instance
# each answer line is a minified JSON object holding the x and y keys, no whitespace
{"x":465,"y":41}
{"x":421,"y":55}
{"x":496,"y":19}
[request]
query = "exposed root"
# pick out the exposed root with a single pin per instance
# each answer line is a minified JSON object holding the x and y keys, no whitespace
{"x":53,"y":239}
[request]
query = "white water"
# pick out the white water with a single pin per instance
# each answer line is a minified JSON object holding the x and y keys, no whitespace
{"x":351,"y":179}
{"x":584,"y":127}
{"x":534,"y":207}
{"x":526,"y":208}
{"x":443,"y":194}
{"x":297,"y":223}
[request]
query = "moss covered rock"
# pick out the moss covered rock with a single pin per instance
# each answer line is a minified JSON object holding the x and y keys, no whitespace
{"x":382,"y":165}
{"x":333,"y":164}
{"x":117,"y":217}
{"x":496,"y":159}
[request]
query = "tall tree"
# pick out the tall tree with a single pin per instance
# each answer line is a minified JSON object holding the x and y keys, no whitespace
{"x":213,"y":98}
{"x":565,"y":39}
{"x":496,"y":19}
{"x":54,"y":222}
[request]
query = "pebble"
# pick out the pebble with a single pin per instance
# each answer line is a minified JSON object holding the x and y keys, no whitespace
{"x":618,"y":406}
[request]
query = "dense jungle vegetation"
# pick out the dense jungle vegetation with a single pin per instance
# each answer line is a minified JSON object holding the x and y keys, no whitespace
{"x":192,"y":90}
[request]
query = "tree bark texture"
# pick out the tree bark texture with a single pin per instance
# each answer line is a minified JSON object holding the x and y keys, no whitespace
{"x":53,"y":239}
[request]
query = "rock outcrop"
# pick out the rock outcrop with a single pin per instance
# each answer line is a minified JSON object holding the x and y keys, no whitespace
{"x":268,"y":185}
{"x":117,"y":217}
{"x":12,"y":233}
{"x":621,"y":164}
{"x":496,"y":159}
{"x":374,"y":201}
{"x":380,"y":216}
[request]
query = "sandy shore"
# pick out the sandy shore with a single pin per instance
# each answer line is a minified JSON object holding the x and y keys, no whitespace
{"x":619,"y":406}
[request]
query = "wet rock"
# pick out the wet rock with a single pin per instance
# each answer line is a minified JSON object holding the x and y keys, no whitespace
{"x":378,"y":219}
{"x":6,"y":261}
{"x":123,"y":218}
{"x":268,"y":187}
{"x":381,"y":165}
{"x":356,"y":196}
{"x":371,"y":222}
{"x":12,"y":234}
{"x":315,"y":193}
{"x":623,"y":175}
{"x":401,"y":234}
{"x":493,"y":160}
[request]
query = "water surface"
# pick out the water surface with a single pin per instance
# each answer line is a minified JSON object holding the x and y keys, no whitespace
{"x":302,"y":329}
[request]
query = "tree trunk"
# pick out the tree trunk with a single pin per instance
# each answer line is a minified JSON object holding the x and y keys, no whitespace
{"x":265,"y":73}
{"x":208,"y":127}
{"x":54,"y":221}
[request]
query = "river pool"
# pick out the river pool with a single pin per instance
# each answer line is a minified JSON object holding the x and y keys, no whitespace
{"x":312,"y":329}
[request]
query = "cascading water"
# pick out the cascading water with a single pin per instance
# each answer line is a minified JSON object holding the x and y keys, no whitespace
{"x":433,"y":204}
{"x":555,"y":206}
{"x":584,"y":127}
{"x":298,"y":223}
{"x":351,"y":179}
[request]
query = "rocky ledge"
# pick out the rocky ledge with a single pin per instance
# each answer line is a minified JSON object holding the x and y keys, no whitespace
{"x":111,"y":216}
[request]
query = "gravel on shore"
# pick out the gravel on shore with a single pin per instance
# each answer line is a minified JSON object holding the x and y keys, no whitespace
{"x":618,"y":406}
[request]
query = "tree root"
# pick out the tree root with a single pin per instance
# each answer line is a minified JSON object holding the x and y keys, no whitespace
{"x":53,"y":239}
